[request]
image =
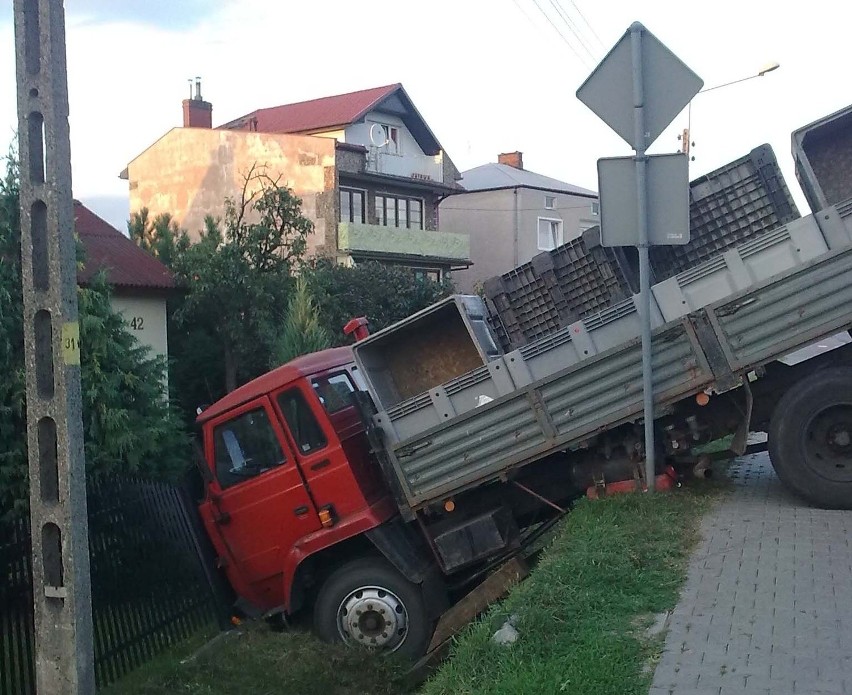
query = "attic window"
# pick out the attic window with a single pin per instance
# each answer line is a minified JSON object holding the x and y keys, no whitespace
{"x":391,"y":138}
{"x":550,"y":202}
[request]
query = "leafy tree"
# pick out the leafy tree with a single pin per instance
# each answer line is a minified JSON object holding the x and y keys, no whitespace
{"x":127,"y":424}
{"x":384,"y":294}
{"x":303,"y":331}
{"x":13,"y":452}
{"x":195,"y":354}
{"x":159,"y":236}
{"x":242,"y":313}
{"x":238,"y":278}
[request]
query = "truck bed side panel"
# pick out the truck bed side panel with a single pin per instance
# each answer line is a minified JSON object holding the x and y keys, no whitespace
{"x":550,"y":414}
{"x":786,"y":313}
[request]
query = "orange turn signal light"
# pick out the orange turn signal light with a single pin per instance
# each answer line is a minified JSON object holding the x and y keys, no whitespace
{"x":449,"y":505}
{"x":326,"y":518}
{"x":702,"y":399}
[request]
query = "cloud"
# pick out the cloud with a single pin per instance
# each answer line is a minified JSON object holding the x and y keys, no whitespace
{"x":164,"y":14}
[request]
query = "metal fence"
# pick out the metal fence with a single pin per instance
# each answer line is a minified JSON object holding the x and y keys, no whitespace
{"x":150,"y":587}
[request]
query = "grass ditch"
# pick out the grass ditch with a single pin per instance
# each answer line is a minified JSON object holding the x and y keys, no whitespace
{"x":582,"y":616}
{"x":583,"y":613}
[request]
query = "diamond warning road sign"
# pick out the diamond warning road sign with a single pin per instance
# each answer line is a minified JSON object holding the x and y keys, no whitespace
{"x":668,"y":86}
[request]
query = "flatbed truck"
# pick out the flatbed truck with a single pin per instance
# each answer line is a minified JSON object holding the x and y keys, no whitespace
{"x":361,"y":483}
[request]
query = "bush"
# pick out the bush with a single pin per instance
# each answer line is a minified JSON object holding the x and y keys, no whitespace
{"x":127,"y":423}
{"x":384,"y":294}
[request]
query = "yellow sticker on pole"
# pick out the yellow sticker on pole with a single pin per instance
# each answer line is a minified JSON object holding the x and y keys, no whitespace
{"x":71,"y":342}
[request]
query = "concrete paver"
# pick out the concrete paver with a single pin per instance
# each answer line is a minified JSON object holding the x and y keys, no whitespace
{"x":767,"y":606}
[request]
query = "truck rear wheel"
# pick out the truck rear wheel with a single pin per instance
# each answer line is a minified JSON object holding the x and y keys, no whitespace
{"x":368,"y":603}
{"x":810,"y":438}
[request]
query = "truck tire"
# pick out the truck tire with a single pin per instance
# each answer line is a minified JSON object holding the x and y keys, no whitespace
{"x":810,"y":438}
{"x":368,"y":603}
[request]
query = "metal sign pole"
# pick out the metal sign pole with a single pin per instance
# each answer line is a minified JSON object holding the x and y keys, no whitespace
{"x":641,"y":159}
{"x":637,"y":89}
{"x":64,"y":663}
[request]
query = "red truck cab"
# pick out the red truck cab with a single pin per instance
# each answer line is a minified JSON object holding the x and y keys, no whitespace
{"x":298,"y":509}
{"x":290,"y":475}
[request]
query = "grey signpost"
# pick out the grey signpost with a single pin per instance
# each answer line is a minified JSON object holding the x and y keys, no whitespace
{"x":60,"y":567}
{"x":637,"y":89}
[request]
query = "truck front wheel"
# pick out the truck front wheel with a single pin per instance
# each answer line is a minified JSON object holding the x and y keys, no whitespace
{"x":368,"y":603}
{"x":810,"y":438}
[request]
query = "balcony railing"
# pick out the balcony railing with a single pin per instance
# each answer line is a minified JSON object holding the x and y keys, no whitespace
{"x":393,"y":241}
{"x":420,"y":167}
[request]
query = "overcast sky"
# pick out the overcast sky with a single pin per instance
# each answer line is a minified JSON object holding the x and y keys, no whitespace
{"x":488,"y":76}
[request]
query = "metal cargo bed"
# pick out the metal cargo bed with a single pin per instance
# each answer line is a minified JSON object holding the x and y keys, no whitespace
{"x":712,"y":347}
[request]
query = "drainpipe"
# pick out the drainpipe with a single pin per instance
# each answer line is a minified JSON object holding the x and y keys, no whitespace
{"x":515,"y":262}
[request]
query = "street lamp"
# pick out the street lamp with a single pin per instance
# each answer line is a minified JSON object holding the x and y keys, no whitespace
{"x":685,"y":136}
{"x":769,"y":67}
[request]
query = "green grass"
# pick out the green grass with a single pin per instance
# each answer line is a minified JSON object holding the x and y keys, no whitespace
{"x":583,"y":612}
{"x":260,"y":661}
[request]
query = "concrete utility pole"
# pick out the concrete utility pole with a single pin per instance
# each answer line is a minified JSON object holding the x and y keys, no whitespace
{"x":61,"y":583}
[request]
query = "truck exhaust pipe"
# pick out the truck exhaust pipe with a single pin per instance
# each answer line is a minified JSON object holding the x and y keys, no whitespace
{"x":358,"y":327}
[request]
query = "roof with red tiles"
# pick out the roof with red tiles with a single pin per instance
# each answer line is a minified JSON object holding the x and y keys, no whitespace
{"x":316,"y":114}
{"x":126,"y":265}
{"x":328,"y":113}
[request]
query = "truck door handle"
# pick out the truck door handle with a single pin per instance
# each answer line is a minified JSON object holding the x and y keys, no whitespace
{"x":319,"y":465}
{"x":300,"y":511}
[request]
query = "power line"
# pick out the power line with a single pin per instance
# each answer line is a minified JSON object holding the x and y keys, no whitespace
{"x":558,"y":31}
{"x":586,"y":21}
{"x":524,"y":12}
{"x":572,"y":27}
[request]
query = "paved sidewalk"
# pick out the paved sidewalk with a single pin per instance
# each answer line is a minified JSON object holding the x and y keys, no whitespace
{"x":767,"y":607}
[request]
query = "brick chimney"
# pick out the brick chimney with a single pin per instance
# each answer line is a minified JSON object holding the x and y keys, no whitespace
{"x":513,"y":159}
{"x":197,"y":113}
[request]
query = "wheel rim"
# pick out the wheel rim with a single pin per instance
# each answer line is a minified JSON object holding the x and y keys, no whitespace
{"x":828,"y":443}
{"x":373,"y":617}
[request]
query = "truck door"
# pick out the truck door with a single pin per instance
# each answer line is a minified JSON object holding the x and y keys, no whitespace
{"x":260,"y":506}
{"x":329,"y":473}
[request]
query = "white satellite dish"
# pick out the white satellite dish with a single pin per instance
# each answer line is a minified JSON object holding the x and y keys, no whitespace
{"x":378,"y":135}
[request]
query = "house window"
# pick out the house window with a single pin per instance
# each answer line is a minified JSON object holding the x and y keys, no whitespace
{"x":550,"y":202}
{"x":596,"y":208}
{"x":395,"y":211}
{"x":351,"y":205}
{"x":433,"y":274}
{"x":415,"y":214}
{"x":549,"y":234}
